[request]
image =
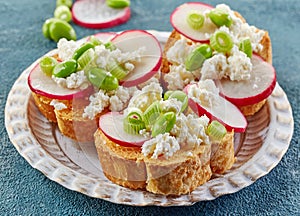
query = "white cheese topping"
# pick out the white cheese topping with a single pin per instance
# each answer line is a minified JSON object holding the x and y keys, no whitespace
{"x":190,"y":130}
{"x":66,"y":48}
{"x":75,"y":80}
{"x":179,"y":77}
{"x":172,"y":104}
{"x":162,"y":145}
{"x":146,"y":96}
{"x":178,"y":52}
{"x":205,"y":93}
{"x":105,"y":56}
{"x":241,"y":29}
{"x":98,"y":102}
{"x":237,"y":66}
{"x":58,"y":105}
{"x":120,"y":97}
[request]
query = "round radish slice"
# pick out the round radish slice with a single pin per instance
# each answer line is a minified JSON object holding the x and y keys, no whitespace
{"x":132,"y":40}
{"x":223,"y":111}
{"x":96,"y":14}
{"x":179,"y":21}
{"x":42,"y":84}
{"x":111,"y":124}
{"x":248,"y":92}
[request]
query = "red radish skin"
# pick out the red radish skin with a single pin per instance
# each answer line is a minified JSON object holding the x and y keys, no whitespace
{"x":121,"y":16}
{"x":233,"y":119}
{"x":111,"y":125}
{"x":179,"y":23}
{"x":131,"y":40}
{"x":249,"y":92}
{"x":42,"y":84}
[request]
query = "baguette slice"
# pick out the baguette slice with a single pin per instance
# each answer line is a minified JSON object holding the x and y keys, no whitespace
{"x":128,"y":167}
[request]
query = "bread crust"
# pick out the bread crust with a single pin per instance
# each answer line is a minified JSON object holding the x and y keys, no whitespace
{"x":128,"y":167}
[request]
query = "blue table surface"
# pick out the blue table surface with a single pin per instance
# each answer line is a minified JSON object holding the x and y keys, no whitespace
{"x":26,"y":191}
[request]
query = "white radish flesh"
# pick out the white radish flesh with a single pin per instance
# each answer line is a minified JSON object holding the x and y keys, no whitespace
{"x":248,"y":92}
{"x":132,"y":40}
{"x":223,"y":111}
{"x":179,"y":21}
{"x":43,"y":85}
{"x":111,"y":124}
{"x":96,"y":14}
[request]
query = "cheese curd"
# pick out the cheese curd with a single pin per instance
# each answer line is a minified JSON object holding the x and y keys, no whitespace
{"x":161,"y":145}
{"x":66,"y":48}
{"x":237,"y":66}
{"x":205,"y":93}
{"x":75,"y":80}
{"x":58,"y":105}
{"x":98,"y":102}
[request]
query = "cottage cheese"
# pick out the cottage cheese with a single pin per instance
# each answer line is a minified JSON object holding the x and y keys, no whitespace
{"x":178,"y":52}
{"x":104,"y":56}
{"x":58,"y":105}
{"x":204,"y":93}
{"x":146,"y":96}
{"x":98,"y":102}
{"x":66,"y":48}
{"x":75,"y":80}
{"x":241,"y":29}
{"x":120,"y":97}
{"x":172,"y":104}
{"x":237,"y":66}
{"x":190,"y":131}
{"x":161,"y":145}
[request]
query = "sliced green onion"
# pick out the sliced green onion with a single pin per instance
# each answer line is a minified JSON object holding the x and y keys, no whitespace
{"x":167,"y":94}
{"x":65,"y":69}
{"x":47,"y":64}
{"x":110,"y":46}
{"x":135,"y":114}
{"x":197,"y":57}
{"x":118,"y":4}
{"x":246,"y":47}
{"x":220,"y":17}
{"x":133,"y":127}
{"x":102,"y":80}
{"x":117,"y":70}
{"x":79,"y":51}
{"x":221,"y":41}
{"x":64,"y":2}
{"x":216,"y":131}
{"x":164,"y":124}
{"x":95,"y":41}
{"x":180,"y":96}
{"x":152,"y":113}
{"x":195,"y":20}
{"x":86,"y":58}
{"x":63,"y":12}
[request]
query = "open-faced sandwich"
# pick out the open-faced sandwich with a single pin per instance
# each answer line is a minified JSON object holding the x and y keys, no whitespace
{"x":173,"y":132}
{"x":173,"y":137}
{"x":82,"y":81}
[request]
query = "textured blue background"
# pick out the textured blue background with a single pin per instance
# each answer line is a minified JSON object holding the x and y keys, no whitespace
{"x":26,"y":191}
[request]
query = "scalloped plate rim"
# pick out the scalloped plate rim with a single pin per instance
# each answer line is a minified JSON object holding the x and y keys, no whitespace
{"x":159,"y":200}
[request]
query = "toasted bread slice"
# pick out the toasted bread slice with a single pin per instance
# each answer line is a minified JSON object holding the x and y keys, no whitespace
{"x":179,"y":174}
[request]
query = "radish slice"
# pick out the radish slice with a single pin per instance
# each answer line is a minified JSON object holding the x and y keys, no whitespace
{"x":111,"y":124}
{"x":96,"y":14}
{"x":248,"y":92}
{"x":178,"y":21}
{"x":225,"y":112}
{"x":104,"y":36}
{"x":132,"y":40}
{"x":43,"y":85}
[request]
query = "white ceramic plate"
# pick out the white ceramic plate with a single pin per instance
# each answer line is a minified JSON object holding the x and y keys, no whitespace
{"x":76,"y":167}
